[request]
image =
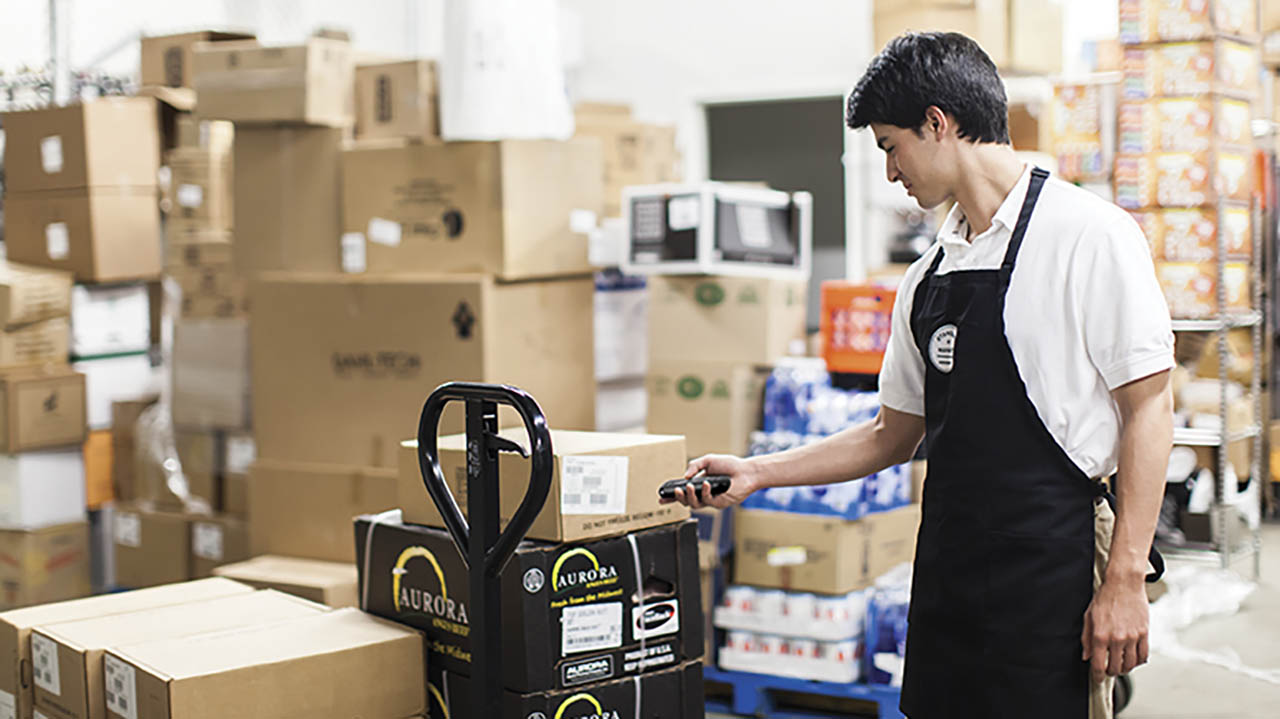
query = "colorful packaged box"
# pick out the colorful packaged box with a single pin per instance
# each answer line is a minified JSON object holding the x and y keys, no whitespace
{"x":1076,"y":130}
{"x":1191,"y":68}
{"x":1182,"y":179}
{"x":1184,"y":124}
{"x":1190,"y":288}
{"x":1155,"y":20}
{"x":1191,"y":234}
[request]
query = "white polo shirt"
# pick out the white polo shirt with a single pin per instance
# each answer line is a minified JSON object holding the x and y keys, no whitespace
{"x":1083,"y":316}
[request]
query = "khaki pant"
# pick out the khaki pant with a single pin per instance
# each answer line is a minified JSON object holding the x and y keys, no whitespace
{"x":1104,"y":523}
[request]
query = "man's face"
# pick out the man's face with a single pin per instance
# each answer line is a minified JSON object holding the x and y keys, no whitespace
{"x":913,"y":160}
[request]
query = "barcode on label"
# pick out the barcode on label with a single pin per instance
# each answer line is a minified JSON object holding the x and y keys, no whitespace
{"x":122,"y":687}
{"x":591,"y":627}
{"x":593,"y":485}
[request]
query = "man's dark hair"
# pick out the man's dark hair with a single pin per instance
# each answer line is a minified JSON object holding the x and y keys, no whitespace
{"x":945,"y":69}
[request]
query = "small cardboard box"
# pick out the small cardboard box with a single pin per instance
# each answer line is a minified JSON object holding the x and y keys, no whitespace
{"x":601,"y":483}
{"x":329,"y":583}
{"x":397,"y":99}
{"x":571,"y":614}
{"x":1221,"y":66}
{"x":309,"y":84}
{"x":42,"y":407}
{"x":282,"y":669}
{"x":211,"y":373}
{"x":30,"y":294}
{"x":216,"y":541}
{"x":75,"y":687}
{"x":39,"y":343}
{"x":100,"y":234}
{"x":107,"y":142}
{"x":42,"y":488}
{"x":16,"y":625}
{"x":44,"y":565}
{"x":151,"y":546}
{"x":827,"y":555}
{"x":1145,"y":21}
{"x":748,"y":320}
{"x":167,"y":59}
{"x":305,"y":510}
{"x":715,"y":405}
{"x":518,"y":209}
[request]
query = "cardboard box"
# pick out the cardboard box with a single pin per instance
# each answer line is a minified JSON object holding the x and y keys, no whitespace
{"x":572,"y":615}
{"x":601,"y":484}
{"x":1035,"y":37}
{"x":635,"y":153}
{"x":42,"y":488}
{"x":1190,"y":288}
{"x":211,"y":373}
{"x":216,"y":136}
{"x":305,"y":510}
{"x":340,"y":372}
{"x":76,"y":688}
{"x":275,"y":670}
{"x":44,"y":565}
{"x":398,"y":99}
{"x":201,"y":181}
{"x":517,"y":208}
{"x":715,"y":405}
{"x":99,"y":489}
{"x":211,"y":292}
{"x":41,"y":407}
{"x":16,"y":625}
{"x":152,"y":546}
{"x":101,"y":234}
{"x":167,"y":59}
{"x":1191,"y":68}
{"x":1191,"y":234}
{"x":110,"y":319}
{"x":986,"y":21}
{"x":1076,"y":121}
{"x":287,"y":198}
{"x":826,"y":555}
{"x":672,"y":693}
{"x":1143,"y":21}
{"x":124,"y":421}
{"x":235,"y":495}
{"x":194,"y":247}
{"x":107,"y":142}
{"x":39,"y":343}
{"x":749,"y":320}
{"x":30,"y":294}
{"x":1184,"y":124}
{"x":310,"y":84}
{"x":216,"y":541}
{"x":1182,"y":179}
{"x":330,"y":583}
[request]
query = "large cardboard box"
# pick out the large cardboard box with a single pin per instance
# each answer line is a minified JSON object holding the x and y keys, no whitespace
{"x":305,"y":510}
{"x":601,"y":483}
{"x":986,"y":21}
{"x":330,"y":583}
{"x":42,"y":407}
{"x":398,"y":99}
{"x":571,"y":614}
{"x":16,"y":626}
{"x":749,"y":320}
{"x":39,"y":343}
{"x":715,"y":405}
{"x":152,"y":546}
{"x":827,"y":555}
{"x":343,"y":364}
{"x":44,"y":565}
{"x":167,"y":59}
{"x":216,"y":541}
{"x":287,"y":198}
{"x":42,"y":488}
{"x":516,"y":208}
{"x":211,"y":373}
{"x":309,"y":84}
{"x":284,"y":669}
{"x":101,"y":234}
{"x":635,"y":153}
{"x":30,"y":294}
{"x":201,"y":182}
{"x":75,"y":687}
{"x":108,"y":142}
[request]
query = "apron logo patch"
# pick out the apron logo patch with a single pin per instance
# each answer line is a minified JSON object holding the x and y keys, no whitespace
{"x":942,"y":348}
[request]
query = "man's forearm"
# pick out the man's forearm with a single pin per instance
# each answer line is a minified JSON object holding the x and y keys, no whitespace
{"x":891,"y":438}
{"x":1146,"y":437}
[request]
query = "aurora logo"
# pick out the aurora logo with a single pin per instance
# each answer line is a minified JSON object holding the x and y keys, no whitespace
{"x":414,"y":599}
{"x":597,"y":711}
{"x":562,"y":581}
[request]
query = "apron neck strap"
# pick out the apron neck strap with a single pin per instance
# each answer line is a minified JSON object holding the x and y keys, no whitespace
{"x":1038,"y":176}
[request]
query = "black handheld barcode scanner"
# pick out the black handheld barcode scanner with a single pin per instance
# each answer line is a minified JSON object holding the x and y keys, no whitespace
{"x":484,"y":549}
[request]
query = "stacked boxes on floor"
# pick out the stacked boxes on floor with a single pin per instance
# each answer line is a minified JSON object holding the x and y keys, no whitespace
{"x":1185,"y":166}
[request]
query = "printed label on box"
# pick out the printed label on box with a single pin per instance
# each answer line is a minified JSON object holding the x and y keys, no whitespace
{"x":786,"y":556}
{"x":44,"y":664}
{"x":206,"y":541}
{"x":128,"y":529}
{"x":241,"y":451}
{"x":591,"y":627}
{"x":51,"y":154}
{"x":56,"y":241}
{"x":190,"y":195}
{"x":8,"y":707}
{"x":353,"y":253}
{"x":682,"y":212}
{"x":122,"y":687}
{"x":384,"y":232}
{"x":582,"y":221}
{"x":593,"y":485}
{"x":655,"y":620}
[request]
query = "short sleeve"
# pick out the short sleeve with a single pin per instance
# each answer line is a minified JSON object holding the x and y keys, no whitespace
{"x":1128,"y":333}
{"x":902,"y":375}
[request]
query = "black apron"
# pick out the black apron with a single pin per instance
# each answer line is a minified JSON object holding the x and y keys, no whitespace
{"x":1004,"y":560}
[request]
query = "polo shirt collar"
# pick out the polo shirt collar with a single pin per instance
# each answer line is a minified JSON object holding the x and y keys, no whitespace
{"x":955,"y":227}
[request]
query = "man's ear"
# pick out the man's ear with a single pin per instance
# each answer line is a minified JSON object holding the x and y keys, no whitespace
{"x":936,"y":122}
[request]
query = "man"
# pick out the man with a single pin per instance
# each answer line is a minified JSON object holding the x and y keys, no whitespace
{"x":1030,"y":349}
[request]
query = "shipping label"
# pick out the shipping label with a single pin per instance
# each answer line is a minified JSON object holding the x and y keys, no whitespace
{"x":590,"y":628}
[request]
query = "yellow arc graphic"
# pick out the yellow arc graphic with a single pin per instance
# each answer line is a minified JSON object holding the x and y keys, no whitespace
{"x":405,"y":556}
{"x":579,"y":697}
{"x":555,"y":569}
{"x":439,"y":700}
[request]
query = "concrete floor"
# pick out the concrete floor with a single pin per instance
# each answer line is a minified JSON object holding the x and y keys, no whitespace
{"x":1169,"y":689}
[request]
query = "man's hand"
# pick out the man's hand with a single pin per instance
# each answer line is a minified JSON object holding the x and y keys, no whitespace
{"x":1115,"y":628}
{"x":742,"y":476}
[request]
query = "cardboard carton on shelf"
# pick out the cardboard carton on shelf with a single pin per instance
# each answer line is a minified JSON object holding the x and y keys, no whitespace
{"x":602,"y":484}
{"x":1190,"y":234}
{"x":1146,"y":21}
{"x":44,"y":565}
{"x":715,"y":405}
{"x":41,"y":407}
{"x":42,"y":488}
{"x":330,"y":583}
{"x":100,"y":234}
{"x":397,"y":99}
{"x":1190,"y":288}
{"x":749,"y":320}
{"x":1221,"y":66}
{"x":1183,"y":179}
{"x":310,"y":84}
{"x":167,"y":59}
{"x":1184,"y":124}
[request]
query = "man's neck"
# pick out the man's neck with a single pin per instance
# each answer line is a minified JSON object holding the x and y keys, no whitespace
{"x":988,"y":174}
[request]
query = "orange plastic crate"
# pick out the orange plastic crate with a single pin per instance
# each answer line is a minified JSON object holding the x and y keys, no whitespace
{"x":855,"y":324}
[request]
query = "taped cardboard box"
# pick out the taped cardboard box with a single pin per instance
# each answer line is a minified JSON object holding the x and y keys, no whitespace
{"x":167,"y":59}
{"x":397,"y":99}
{"x":339,"y":375}
{"x":518,"y":209}
{"x":100,"y":234}
{"x":826,"y":555}
{"x":330,"y":583}
{"x":309,"y":84}
{"x":211,"y":373}
{"x":42,"y":488}
{"x":1219,"y":66}
{"x":39,"y":343}
{"x":30,"y":294}
{"x":601,"y":483}
{"x":42,"y":407}
{"x":16,"y":625}
{"x":152,"y":546}
{"x":287,"y":199}
{"x":275,"y":670}
{"x":715,"y":405}
{"x":107,"y":142}
{"x":305,"y":510}
{"x":74,"y":685}
{"x":1191,"y":234}
{"x":44,"y":565}
{"x":1144,"y":21}
{"x":573,"y":616}
{"x":216,"y":541}
{"x":748,"y":320}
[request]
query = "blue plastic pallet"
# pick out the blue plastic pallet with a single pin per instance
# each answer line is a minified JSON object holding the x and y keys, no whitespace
{"x":752,"y":695}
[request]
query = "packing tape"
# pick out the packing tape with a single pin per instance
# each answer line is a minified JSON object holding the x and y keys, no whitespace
{"x":391,"y":515}
{"x":639,"y":695}
{"x":637,"y":626}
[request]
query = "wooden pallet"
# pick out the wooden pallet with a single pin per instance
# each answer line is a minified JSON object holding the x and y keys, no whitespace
{"x":763,"y":695}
